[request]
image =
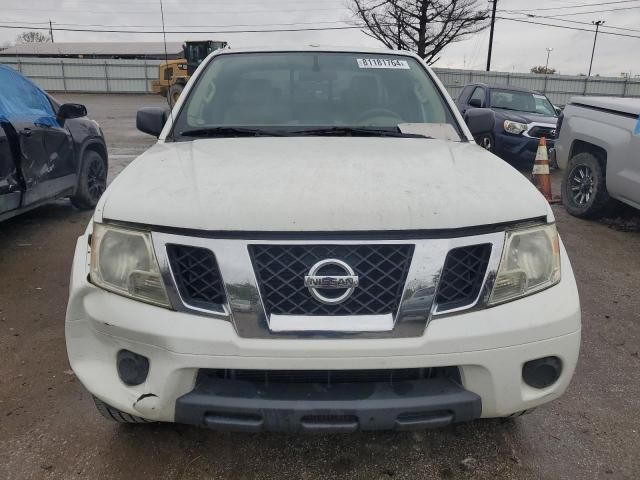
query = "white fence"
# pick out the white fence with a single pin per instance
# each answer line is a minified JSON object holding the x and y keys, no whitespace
{"x":135,"y":76}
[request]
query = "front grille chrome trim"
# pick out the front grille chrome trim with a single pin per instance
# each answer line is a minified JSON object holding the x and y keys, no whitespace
{"x":245,"y":308}
{"x":538,"y":125}
{"x":217,"y":306}
{"x":173,"y":292}
{"x":331,"y":323}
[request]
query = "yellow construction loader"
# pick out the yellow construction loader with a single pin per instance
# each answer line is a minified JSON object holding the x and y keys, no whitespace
{"x":174,"y":74}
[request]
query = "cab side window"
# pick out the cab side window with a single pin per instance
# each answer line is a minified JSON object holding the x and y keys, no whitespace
{"x":478,"y":95}
{"x":464,"y":95}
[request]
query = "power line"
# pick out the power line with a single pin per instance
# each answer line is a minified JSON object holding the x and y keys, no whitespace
{"x":615,"y":34}
{"x":22,"y":21}
{"x":27,"y":27}
{"x":182,"y":3}
{"x":304,"y":29}
{"x":195,"y":26}
{"x":551,"y":17}
{"x":119,"y":30}
{"x":530,"y":15}
{"x":572,"y":6}
{"x":336,"y":22}
{"x":590,"y":11}
{"x":181,"y":12}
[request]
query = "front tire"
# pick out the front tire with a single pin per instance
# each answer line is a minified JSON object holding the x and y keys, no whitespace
{"x":486,"y":141}
{"x":584,"y":188}
{"x":92,"y":181}
{"x":116,"y":415}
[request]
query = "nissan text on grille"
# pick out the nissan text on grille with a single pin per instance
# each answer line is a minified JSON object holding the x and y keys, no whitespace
{"x":316,"y":244}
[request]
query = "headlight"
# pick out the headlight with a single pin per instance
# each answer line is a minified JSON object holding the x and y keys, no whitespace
{"x":514,"y":127}
{"x":123,"y":261}
{"x":530,"y":262}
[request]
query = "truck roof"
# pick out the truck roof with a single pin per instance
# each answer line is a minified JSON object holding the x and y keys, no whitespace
{"x":630,"y":106}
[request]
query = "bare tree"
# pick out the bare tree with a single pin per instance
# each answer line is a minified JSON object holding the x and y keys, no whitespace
{"x":32,"y":37}
{"x":421,"y":26}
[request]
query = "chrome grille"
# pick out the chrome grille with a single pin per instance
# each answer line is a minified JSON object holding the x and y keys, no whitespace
{"x":547,"y":132}
{"x":197,"y":276}
{"x":382,"y":269}
{"x":462,"y":276}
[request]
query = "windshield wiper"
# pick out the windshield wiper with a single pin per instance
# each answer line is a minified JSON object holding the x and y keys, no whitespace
{"x":231,"y":132}
{"x":354,"y":132}
{"x":207,"y":132}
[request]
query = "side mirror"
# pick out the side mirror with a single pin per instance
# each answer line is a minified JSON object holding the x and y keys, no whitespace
{"x":558,"y":110}
{"x":71,"y":110}
{"x":480,"y":120}
{"x":151,"y":120}
{"x":475,"y":103}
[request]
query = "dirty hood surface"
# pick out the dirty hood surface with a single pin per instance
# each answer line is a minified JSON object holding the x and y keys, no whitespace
{"x":315,"y":184}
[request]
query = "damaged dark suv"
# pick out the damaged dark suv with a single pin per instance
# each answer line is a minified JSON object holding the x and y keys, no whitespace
{"x":47,"y":150}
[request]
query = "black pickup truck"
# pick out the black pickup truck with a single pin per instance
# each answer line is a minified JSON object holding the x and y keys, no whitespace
{"x":47,"y":150}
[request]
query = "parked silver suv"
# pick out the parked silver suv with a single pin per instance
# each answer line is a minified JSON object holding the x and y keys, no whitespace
{"x":598,"y":147}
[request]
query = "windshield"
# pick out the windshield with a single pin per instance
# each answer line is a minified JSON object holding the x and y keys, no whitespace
{"x":522,"y":102}
{"x":304,"y":91}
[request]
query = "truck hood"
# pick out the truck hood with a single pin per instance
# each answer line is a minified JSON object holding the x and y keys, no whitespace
{"x":525,"y":117}
{"x":314,"y":184}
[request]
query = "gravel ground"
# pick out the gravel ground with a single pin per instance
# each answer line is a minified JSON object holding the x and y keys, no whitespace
{"x":49,"y":428}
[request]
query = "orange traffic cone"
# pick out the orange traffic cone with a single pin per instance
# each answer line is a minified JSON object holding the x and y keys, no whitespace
{"x":541,"y":177}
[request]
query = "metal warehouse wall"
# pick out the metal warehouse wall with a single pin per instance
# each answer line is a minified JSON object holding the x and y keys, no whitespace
{"x":559,"y":88}
{"x":87,"y":75}
{"x":134,"y":76}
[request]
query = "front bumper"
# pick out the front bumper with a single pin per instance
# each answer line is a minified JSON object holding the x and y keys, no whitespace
{"x":518,"y":148}
{"x":488,"y":346}
{"x":314,"y":407}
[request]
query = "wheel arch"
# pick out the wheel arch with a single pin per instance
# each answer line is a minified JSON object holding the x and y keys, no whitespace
{"x":94,"y":145}
{"x":581,"y":146}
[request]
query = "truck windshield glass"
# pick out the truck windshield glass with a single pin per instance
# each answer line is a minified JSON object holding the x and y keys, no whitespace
{"x":298,"y":92}
{"x":522,"y":102}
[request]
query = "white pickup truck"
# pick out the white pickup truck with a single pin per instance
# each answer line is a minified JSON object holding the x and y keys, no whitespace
{"x":317,"y":244}
{"x":598,"y":147}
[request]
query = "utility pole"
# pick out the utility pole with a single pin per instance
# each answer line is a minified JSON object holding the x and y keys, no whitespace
{"x":493,"y":22}
{"x":51,"y":30}
{"x":546,"y":67}
{"x":597,"y":24}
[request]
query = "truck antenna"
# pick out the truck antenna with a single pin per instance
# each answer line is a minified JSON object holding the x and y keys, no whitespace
{"x":166,"y":60}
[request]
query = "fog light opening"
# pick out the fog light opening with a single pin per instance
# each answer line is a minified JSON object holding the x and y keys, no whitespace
{"x":542,"y":372}
{"x":132,"y":368}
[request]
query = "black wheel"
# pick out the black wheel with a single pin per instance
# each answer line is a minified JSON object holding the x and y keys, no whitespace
{"x":584,"y":187}
{"x":92,"y":181}
{"x":486,"y":142}
{"x":174,"y":93}
{"x":116,"y":415}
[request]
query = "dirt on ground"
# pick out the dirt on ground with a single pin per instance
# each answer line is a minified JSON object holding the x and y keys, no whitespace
{"x":49,"y":428}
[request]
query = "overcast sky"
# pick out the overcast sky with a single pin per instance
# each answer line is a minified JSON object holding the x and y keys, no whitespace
{"x":517,"y":46}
